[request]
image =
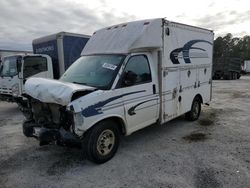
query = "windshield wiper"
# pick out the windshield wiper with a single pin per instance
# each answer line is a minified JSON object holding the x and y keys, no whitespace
{"x":80,"y":83}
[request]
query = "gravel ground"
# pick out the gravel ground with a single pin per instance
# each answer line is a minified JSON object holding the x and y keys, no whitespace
{"x":211,"y":152}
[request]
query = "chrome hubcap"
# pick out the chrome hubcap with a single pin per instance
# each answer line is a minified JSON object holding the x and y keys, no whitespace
{"x":105,"y":142}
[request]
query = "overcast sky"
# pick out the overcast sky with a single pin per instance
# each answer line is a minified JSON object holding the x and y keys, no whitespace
{"x":21,"y":21}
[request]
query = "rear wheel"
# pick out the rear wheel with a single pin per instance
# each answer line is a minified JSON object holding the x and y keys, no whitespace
{"x":238,"y":75}
{"x":234,"y":76}
{"x":102,"y":141}
{"x":194,"y":113}
{"x":230,"y":76}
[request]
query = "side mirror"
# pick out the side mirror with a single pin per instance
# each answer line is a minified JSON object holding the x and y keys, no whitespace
{"x":1,"y":68}
{"x":129,"y":78}
{"x":19,"y":64}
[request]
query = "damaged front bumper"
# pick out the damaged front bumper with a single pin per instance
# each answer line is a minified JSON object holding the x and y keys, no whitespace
{"x":49,"y":135}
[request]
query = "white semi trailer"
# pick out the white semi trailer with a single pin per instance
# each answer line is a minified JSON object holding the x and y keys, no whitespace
{"x":246,"y":66}
{"x":129,"y":76}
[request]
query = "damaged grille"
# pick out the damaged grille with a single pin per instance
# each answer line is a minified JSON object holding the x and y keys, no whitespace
{"x":51,"y":115}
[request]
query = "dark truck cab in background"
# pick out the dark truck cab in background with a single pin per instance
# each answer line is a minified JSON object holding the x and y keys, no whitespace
{"x":227,"y":68}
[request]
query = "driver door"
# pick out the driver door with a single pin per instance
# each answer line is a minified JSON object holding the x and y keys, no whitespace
{"x":139,"y":93}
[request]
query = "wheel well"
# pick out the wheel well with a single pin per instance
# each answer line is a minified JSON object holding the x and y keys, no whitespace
{"x":199,"y":97}
{"x":121,"y":124}
{"x":119,"y":121}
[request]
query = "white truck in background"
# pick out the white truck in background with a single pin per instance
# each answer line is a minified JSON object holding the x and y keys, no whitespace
{"x":129,"y":76}
{"x":246,"y":67}
{"x":14,"y":71}
{"x":53,"y":54}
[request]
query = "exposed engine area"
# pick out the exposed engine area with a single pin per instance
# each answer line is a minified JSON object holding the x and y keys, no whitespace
{"x":49,"y":123}
{"x":50,"y":115}
{"x":45,"y":114}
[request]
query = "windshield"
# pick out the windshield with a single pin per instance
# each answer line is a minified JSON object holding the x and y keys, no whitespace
{"x":95,"y":70}
{"x":9,"y":66}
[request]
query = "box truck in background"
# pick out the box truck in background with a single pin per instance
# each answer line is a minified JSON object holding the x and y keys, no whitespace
{"x":63,"y":48}
{"x":53,"y":54}
{"x":129,"y":76}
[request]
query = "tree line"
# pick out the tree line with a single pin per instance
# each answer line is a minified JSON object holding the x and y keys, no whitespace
{"x":229,"y":46}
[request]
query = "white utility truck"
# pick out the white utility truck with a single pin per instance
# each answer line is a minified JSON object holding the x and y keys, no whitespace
{"x":14,"y":71}
{"x":129,"y":76}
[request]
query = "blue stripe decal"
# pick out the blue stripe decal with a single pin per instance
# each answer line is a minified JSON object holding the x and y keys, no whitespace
{"x":131,"y":111}
{"x":185,"y":51}
{"x":132,"y":100}
{"x":96,"y":108}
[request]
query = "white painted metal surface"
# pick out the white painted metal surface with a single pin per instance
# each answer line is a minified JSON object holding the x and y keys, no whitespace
{"x":52,"y":91}
{"x":246,"y":66}
{"x":127,"y":37}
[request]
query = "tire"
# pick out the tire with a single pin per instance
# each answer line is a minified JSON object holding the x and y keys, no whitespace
{"x":226,"y":77}
{"x":195,"y":111}
{"x":238,"y":76}
{"x":234,"y":76}
{"x":27,"y":129}
{"x":101,"y":142}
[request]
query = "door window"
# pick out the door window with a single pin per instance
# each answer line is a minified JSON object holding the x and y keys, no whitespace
{"x":137,"y":71}
{"x":34,"y":65}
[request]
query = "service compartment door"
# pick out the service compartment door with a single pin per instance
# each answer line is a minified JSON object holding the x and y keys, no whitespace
{"x":204,"y":75}
{"x":188,"y":78}
{"x":140,"y":99}
{"x":188,"y":83}
{"x":204,"y":82}
{"x":170,"y":86}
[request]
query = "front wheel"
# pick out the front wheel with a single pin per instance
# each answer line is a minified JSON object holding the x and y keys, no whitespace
{"x":194,"y":113}
{"x":102,"y":141}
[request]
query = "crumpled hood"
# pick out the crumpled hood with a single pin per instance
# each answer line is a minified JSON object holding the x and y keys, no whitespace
{"x":53,"y":91}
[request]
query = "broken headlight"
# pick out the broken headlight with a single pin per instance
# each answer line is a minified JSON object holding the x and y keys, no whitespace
{"x":78,"y":120}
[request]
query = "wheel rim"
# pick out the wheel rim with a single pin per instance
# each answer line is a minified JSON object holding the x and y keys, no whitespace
{"x":196,"y":109}
{"x":105,"y":142}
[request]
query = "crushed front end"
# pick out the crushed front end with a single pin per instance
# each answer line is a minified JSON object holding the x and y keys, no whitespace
{"x":50,"y":123}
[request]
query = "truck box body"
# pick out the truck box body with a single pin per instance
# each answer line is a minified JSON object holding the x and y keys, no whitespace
{"x":130,"y":75}
{"x":186,"y":58}
{"x":226,"y":68}
{"x":64,"y":48}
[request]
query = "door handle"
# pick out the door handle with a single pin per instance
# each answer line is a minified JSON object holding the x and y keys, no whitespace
{"x":154,"y":89}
